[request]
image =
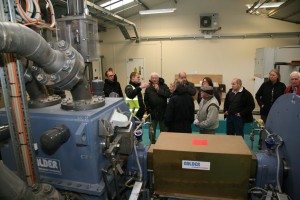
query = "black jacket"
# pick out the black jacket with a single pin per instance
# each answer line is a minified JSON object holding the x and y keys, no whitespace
{"x":156,"y":101}
{"x":131,"y":93}
{"x":180,"y":111}
{"x":246,"y":104}
{"x":265,"y":97}
{"x":189,"y":87}
{"x":112,"y":86}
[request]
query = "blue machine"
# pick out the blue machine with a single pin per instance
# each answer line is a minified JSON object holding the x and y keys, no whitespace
{"x":278,"y":166}
{"x":85,"y":160}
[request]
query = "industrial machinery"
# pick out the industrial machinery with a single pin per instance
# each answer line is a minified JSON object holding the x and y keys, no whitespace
{"x":90,"y":147}
{"x":79,"y":147}
{"x":85,"y":147}
{"x":278,"y":164}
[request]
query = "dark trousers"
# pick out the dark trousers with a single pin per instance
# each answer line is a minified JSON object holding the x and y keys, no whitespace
{"x":234,"y":125}
{"x":162,"y":128}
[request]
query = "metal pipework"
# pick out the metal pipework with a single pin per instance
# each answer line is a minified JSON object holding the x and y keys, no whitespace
{"x":62,"y":69}
{"x":16,"y":189}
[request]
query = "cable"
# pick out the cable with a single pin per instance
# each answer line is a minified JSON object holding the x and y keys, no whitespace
{"x":140,"y":175}
{"x":257,"y":188}
{"x":278,"y":168}
{"x":36,"y":19}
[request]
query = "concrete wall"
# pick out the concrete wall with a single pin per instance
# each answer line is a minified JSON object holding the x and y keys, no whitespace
{"x":230,"y":57}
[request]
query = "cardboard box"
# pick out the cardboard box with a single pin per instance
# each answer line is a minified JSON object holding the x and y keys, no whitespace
{"x":201,"y":166}
{"x":150,"y":157}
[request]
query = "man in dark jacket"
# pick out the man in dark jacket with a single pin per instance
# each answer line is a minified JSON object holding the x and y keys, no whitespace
{"x":134,"y":95}
{"x":111,"y":85}
{"x":238,"y":107}
{"x":180,"y":110}
{"x":188,"y":86}
{"x":155,"y":98}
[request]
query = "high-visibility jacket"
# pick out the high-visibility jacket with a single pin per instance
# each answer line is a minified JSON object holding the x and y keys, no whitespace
{"x":133,"y":103}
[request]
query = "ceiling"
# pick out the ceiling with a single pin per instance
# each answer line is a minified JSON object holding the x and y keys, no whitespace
{"x":115,"y":16}
{"x":289,"y":11}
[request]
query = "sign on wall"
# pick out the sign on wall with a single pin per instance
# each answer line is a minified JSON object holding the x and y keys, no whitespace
{"x":135,"y":65}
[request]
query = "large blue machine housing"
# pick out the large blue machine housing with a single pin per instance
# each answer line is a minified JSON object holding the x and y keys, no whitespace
{"x":78,"y":164}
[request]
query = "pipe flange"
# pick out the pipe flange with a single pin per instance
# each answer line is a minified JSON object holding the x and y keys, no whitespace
{"x":45,"y":102}
{"x":69,"y":104}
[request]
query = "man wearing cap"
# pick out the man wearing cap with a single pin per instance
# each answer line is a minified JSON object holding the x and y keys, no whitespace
{"x":207,"y":118}
{"x":238,"y":107}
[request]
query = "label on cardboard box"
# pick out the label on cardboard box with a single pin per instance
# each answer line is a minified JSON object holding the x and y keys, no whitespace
{"x":197,"y":165}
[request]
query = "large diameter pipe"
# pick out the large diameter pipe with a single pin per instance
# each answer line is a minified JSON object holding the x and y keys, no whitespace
{"x":63,"y":68}
{"x":16,"y":38}
{"x":12,"y":187}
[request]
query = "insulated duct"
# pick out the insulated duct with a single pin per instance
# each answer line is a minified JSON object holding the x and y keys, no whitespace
{"x":62,"y":69}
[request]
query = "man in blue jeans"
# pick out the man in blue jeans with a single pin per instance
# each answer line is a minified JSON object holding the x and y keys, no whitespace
{"x":238,"y":107}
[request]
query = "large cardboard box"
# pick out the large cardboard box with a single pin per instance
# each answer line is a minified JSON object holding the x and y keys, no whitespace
{"x":201,"y":166}
{"x":150,"y":157}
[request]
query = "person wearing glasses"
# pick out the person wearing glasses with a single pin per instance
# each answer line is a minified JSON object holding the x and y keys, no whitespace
{"x":111,"y":86}
{"x":295,"y":84}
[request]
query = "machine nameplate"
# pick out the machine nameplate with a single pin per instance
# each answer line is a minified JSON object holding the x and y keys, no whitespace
{"x":197,"y":165}
{"x":49,"y":165}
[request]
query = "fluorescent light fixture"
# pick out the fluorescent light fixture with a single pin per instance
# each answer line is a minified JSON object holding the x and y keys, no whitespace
{"x":158,"y":11}
{"x":113,"y":4}
{"x":265,"y":5}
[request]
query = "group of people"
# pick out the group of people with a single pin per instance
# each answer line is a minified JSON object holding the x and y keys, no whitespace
{"x":173,"y":108}
{"x":270,"y":90}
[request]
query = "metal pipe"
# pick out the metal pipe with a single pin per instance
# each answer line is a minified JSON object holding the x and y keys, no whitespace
{"x":61,"y":68}
{"x":16,"y":38}
{"x":78,"y":92}
{"x":12,"y":187}
{"x":116,"y":17}
{"x":4,"y":133}
{"x":35,"y":91}
{"x":222,"y":36}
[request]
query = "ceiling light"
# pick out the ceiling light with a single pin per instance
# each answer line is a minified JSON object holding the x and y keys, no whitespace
{"x":113,"y":4}
{"x":158,"y":11}
{"x":265,"y":5}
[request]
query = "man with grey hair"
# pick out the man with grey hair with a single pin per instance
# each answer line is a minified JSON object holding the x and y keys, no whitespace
{"x":207,"y":118}
{"x":155,"y":99}
{"x":238,"y":107}
{"x":295,"y":84}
